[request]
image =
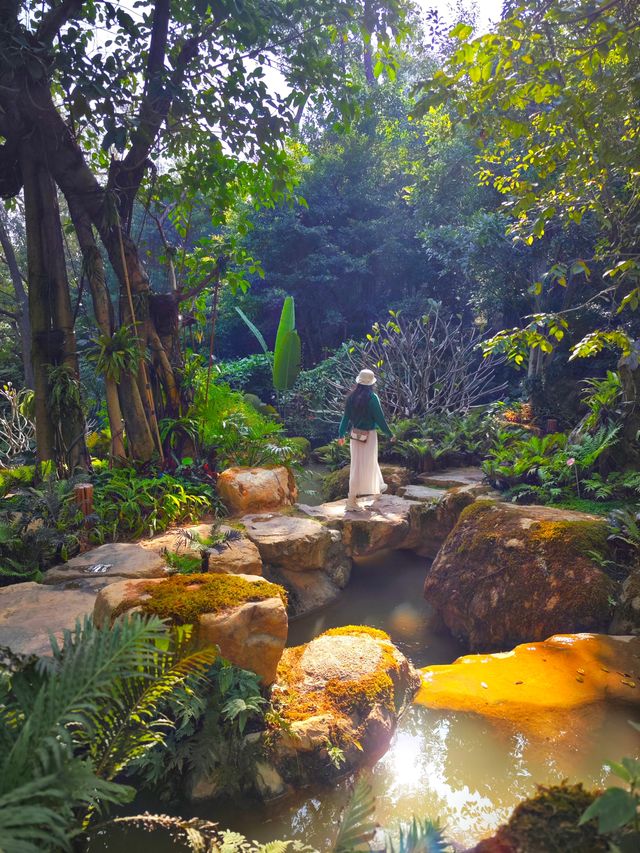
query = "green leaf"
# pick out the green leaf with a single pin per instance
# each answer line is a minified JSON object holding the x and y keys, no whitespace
{"x":613,"y":809}
{"x":461,"y":32}
{"x":356,"y":826}
{"x":287,"y":361}
{"x":257,"y":333}
{"x":287,"y":320}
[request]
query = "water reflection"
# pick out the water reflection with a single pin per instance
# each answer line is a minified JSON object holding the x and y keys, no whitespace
{"x":468,"y":771}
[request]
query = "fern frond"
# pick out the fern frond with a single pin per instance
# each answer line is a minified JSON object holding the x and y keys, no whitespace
{"x":357,"y":827}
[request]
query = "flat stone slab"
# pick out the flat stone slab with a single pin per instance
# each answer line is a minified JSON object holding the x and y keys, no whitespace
{"x":424,"y":494}
{"x":382,"y":523}
{"x":451,"y":477}
{"x":115,"y":560}
{"x":291,"y":542}
{"x":173,"y":540}
{"x":30,"y":612}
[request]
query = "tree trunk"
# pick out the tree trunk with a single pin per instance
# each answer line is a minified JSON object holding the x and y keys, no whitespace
{"x":24,"y":324}
{"x":369,"y":22}
{"x":53,"y":337}
{"x":103,"y":310}
{"x":629,"y":449}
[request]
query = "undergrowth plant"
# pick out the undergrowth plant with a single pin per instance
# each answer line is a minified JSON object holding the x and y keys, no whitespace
{"x":617,"y":809}
{"x":70,"y":724}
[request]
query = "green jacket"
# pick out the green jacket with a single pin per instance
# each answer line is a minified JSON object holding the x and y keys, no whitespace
{"x":373,"y":419}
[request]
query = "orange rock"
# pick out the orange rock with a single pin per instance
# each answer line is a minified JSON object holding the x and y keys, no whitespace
{"x":535,"y":681}
{"x":246,"y":490}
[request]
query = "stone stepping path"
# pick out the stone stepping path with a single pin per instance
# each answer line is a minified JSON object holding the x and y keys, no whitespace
{"x":424,"y":494}
{"x":308,"y":549}
{"x":449,"y":478}
{"x":383,"y":524}
{"x":116,"y":560}
{"x":307,"y":557}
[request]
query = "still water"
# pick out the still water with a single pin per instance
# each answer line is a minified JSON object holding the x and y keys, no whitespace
{"x":465,"y":770}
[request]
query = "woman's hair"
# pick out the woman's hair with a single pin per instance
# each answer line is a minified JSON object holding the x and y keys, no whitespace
{"x":358,"y":401}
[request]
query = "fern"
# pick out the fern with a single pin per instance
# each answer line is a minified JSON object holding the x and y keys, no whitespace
{"x":357,"y":826}
{"x":69,"y":723}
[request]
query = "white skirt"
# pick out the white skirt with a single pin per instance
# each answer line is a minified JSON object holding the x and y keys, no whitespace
{"x":365,"y":477}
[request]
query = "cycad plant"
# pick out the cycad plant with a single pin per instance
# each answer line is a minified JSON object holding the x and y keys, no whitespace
{"x":70,"y":723}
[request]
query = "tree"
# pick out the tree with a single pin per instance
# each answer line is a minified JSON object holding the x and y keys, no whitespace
{"x":178,"y":85}
{"x":18,"y":315}
{"x":552,"y":99}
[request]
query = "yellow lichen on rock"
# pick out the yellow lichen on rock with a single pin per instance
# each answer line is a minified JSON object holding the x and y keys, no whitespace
{"x":534,"y":681}
{"x":344,"y":689}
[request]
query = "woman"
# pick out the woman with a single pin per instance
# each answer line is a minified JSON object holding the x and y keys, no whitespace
{"x":362,"y":415}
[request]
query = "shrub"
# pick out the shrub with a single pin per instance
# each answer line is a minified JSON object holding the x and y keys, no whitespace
{"x":238,"y":433}
{"x":252,"y":374}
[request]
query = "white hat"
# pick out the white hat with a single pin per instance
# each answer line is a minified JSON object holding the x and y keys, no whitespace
{"x":366,"y":377}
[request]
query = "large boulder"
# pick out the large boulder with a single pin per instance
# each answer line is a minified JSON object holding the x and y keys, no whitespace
{"x":507,"y":574}
{"x":31,"y":612}
{"x":626,"y":619}
{"x":536,"y":682}
{"x":346,"y":690}
{"x":549,"y":820}
{"x":305,"y":556}
{"x":242,"y":614}
{"x":336,"y":484}
{"x":108,"y":562}
{"x":246,"y":490}
{"x":432,"y":520}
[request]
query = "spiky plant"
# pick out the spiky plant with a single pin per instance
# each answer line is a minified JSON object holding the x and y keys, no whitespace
{"x":70,"y":723}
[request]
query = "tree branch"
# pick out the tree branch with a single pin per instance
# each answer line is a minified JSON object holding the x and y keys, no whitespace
{"x":56,"y":18}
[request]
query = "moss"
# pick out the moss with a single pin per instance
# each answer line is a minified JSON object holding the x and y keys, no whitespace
{"x":548,"y":823}
{"x":355,"y":697}
{"x":360,"y":696}
{"x":350,"y":630}
{"x":184,"y":598}
{"x":558,"y":538}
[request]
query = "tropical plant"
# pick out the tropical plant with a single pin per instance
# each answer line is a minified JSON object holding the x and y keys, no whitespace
{"x":604,"y":399}
{"x":357,"y":829}
{"x":129,"y":506}
{"x":71,"y":723}
{"x":116,"y":354}
{"x":206,"y":736}
{"x":617,"y":809}
{"x":285,"y":364}
{"x":546,"y":467}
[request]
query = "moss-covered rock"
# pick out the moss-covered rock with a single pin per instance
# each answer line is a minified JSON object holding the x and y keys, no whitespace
{"x":242,"y":614}
{"x":508,"y":574}
{"x":336,"y":484}
{"x":549,"y":821}
{"x":343,"y":690}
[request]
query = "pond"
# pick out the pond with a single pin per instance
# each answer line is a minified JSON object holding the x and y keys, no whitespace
{"x":466,"y":770}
